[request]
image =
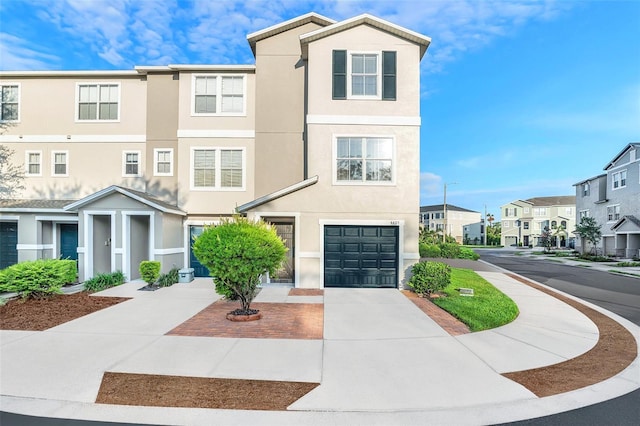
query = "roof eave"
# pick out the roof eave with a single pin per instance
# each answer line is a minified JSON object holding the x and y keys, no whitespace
{"x":278,"y":194}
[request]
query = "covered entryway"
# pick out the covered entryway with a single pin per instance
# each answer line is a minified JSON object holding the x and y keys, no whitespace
{"x":199,"y":270}
{"x":361,"y":256}
{"x":69,"y":241}
{"x":285,"y":228}
{"x":8,"y":244}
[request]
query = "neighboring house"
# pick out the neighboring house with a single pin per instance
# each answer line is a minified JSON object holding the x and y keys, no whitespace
{"x":321,"y":137}
{"x":613,"y":200}
{"x":456,"y":220}
{"x":523,"y":221}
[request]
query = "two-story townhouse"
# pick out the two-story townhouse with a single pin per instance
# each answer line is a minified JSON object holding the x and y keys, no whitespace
{"x":524,"y":221}
{"x":462,"y":224}
{"x":320,"y":137}
{"x":613,"y":200}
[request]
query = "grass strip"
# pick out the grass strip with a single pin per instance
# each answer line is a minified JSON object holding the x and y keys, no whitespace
{"x":487,"y":308}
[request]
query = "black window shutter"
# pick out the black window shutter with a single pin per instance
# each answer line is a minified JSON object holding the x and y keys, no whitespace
{"x":389,"y":76}
{"x":339,"y":74}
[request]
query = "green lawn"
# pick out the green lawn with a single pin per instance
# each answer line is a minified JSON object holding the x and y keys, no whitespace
{"x":488,"y":308}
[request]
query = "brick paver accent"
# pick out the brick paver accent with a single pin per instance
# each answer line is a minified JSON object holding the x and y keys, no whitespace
{"x":444,"y":319}
{"x":279,"y":321}
{"x":306,"y":292}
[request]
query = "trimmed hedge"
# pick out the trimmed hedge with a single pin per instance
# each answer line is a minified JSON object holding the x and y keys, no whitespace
{"x":149,"y":271}
{"x":447,"y":251}
{"x":429,"y":250}
{"x":429,"y":277}
{"x":38,"y":278}
{"x":104,"y":281}
{"x":467,"y":253}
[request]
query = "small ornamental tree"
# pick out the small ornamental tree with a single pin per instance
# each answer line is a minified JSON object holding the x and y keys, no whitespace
{"x":588,"y":231}
{"x":237,"y":252}
{"x":149,"y":271}
{"x":545,"y":239}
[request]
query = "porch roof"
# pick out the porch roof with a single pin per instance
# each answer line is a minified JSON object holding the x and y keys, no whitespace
{"x":278,"y":194}
{"x":34,"y":205}
{"x":629,"y":218}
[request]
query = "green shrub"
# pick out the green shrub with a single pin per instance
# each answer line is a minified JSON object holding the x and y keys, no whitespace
{"x":38,"y":278}
{"x":429,"y":277}
{"x":450,"y":250}
{"x":104,"y":281}
{"x":627,"y":264}
{"x":467,"y":253}
{"x":237,"y":252}
{"x":429,"y":250}
{"x":149,"y":271}
{"x":168,"y":279}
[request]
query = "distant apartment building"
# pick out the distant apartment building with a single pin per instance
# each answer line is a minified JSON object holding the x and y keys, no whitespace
{"x":523,"y":221}
{"x":320,"y":137}
{"x":462,"y":224}
{"x":613,"y":200}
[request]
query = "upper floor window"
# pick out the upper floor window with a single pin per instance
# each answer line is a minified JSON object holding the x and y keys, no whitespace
{"x":33,"y":163}
{"x":364,"y":75}
{"x":613,"y":212}
{"x":586,"y":189}
{"x":9,"y":102}
{"x":98,"y":102}
{"x":217,"y":169}
{"x":216,"y":94}
{"x":59,"y":163}
{"x":568,"y":210}
{"x":131,"y":164}
{"x":511,"y":211}
{"x":619,"y":179}
{"x":163,"y":162}
{"x":540,"y":211}
{"x":364,"y":160}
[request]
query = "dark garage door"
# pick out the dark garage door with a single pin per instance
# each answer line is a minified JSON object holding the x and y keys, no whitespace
{"x":8,"y":244}
{"x":360,"y":256}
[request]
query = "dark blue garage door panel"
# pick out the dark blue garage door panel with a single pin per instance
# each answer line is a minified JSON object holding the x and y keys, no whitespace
{"x":8,"y":244}
{"x":360,"y":256}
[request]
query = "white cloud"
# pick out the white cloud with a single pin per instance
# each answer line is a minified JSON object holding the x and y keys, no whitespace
{"x":19,"y":54}
{"x":430,"y":184}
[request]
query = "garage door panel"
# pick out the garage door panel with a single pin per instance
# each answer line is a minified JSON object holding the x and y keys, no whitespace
{"x":360,"y":256}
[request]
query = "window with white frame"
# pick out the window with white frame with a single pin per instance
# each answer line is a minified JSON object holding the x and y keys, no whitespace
{"x":218,"y":168}
{"x":526,"y":209}
{"x":98,"y":102}
{"x":10,"y":102}
{"x":364,"y":160}
{"x":583,"y":213}
{"x":619,"y":179}
{"x":568,"y":211}
{"x":218,"y":94}
{"x":613,"y":212}
{"x":540,"y":211}
{"x":163,"y":161}
{"x":33,"y":163}
{"x":364,"y":71}
{"x":131,"y":164}
{"x":60,"y":163}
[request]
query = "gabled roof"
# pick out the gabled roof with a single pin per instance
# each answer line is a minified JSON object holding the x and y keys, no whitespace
{"x":632,"y":145}
{"x":365,"y":19}
{"x":142,"y":197}
{"x":591,"y":179}
{"x":440,"y":207}
{"x":278,"y":194}
{"x":559,"y":200}
{"x":255,"y":37}
{"x":624,"y":219}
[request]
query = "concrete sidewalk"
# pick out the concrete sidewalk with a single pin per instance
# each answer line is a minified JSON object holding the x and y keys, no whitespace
{"x":381,"y":361}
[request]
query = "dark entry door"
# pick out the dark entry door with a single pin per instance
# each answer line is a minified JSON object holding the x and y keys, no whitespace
{"x":285,"y":230}
{"x":69,"y":241}
{"x":360,"y":256}
{"x":8,"y":244}
{"x":199,"y":270}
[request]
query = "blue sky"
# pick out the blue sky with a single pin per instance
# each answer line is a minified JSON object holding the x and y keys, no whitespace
{"x":519,"y":99}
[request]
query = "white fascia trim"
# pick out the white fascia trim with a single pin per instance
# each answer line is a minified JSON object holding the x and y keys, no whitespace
{"x":57,"y":218}
{"x":229,"y":67}
{"x":80,"y":73}
{"x":361,"y":222}
{"x":166,"y":251}
{"x":9,"y":217}
{"x":74,"y":138}
{"x":216,"y":133}
{"x":34,"y":246}
{"x":32,"y":210}
{"x":368,"y":120}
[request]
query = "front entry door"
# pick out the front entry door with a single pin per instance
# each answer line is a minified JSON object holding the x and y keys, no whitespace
{"x":69,"y":241}
{"x":285,"y":228}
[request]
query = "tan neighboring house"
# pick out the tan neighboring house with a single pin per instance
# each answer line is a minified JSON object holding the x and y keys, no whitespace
{"x":320,"y":137}
{"x":462,"y":224}
{"x":523,"y":221}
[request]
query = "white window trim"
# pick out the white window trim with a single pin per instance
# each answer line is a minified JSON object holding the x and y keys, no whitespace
{"x":350,"y":54}
{"x":581,"y":215}
{"x":218,"y":168}
{"x":619,"y":172}
{"x":124,"y":163}
{"x":97,"y":83}
{"x":26,"y":163}
{"x":156,"y":151}
{"x":11,"y":83}
{"x":334,"y":167}
{"x":218,"y":96}
{"x":53,"y":163}
{"x":614,"y":212}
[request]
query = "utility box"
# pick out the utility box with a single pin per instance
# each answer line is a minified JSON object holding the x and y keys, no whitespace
{"x":185,"y":275}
